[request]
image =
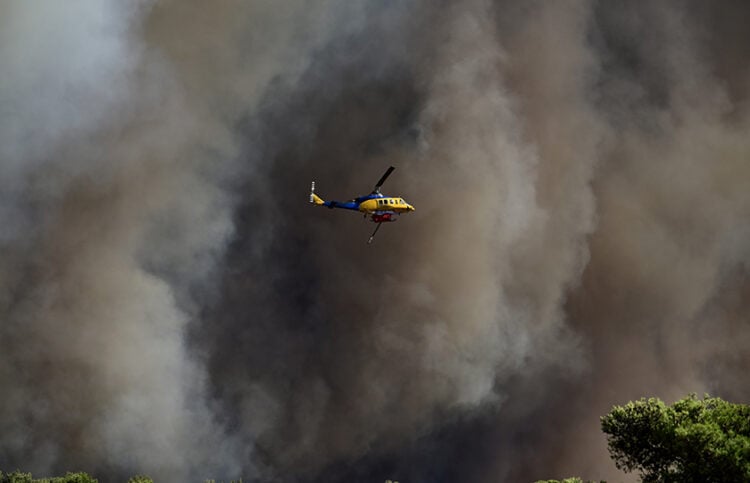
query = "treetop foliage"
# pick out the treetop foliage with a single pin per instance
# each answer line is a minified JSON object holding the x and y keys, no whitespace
{"x":140,"y":479}
{"x":692,"y":440}
{"x":19,"y":477}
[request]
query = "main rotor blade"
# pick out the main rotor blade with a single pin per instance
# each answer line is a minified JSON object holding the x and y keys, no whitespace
{"x":382,"y":179}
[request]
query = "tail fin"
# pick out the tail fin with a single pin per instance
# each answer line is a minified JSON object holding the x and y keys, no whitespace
{"x":315,"y":199}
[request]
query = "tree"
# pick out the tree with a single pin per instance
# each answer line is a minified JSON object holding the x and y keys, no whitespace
{"x":140,"y":479}
{"x":693,"y":440}
{"x":15,"y":477}
{"x":19,"y":477}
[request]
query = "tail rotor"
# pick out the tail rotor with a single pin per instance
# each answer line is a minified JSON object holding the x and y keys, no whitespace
{"x":315,"y":199}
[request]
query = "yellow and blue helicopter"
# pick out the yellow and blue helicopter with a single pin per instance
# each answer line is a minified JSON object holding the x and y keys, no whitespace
{"x":380,"y":208}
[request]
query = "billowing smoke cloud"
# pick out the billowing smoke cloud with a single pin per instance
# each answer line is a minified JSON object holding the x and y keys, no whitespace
{"x":171,"y":305}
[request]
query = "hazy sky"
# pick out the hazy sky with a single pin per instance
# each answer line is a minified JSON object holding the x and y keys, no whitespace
{"x":171,"y":304}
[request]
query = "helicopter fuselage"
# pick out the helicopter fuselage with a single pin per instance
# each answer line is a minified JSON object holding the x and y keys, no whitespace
{"x":377,"y":204}
{"x":380,"y":208}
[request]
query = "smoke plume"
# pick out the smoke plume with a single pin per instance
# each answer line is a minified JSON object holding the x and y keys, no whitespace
{"x":172,"y":305}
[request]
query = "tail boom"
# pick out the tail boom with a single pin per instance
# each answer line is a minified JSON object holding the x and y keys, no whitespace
{"x":318,"y":201}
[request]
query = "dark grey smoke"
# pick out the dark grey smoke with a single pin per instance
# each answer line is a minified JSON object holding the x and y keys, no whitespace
{"x":171,"y":305}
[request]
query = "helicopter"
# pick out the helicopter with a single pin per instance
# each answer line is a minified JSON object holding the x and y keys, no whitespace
{"x":380,"y":208}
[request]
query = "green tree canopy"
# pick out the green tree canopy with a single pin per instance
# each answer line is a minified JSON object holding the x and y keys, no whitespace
{"x":692,"y":440}
{"x":140,"y":479}
{"x":20,"y":477}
